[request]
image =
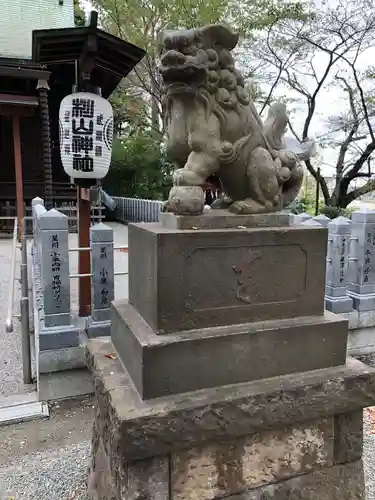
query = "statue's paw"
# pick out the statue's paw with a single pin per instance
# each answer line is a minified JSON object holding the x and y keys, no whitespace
{"x":166,"y":207}
{"x":185,"y":200}
{"x":221,"y":203}
{"x":236,"y":207}
{"x":284,"y":175}
{"x":248,"y":206}
{"x":288,"y":158}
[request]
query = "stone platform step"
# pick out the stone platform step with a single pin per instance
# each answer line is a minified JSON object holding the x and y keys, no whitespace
{"x":20,"y":408}
{"x":65,"y":385}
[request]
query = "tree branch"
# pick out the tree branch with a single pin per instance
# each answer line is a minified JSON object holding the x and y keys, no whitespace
{"x":280,"y":69}
{"x":350,"y":137}
{"x":356,"y":193}
{"x":358,"y":164}
{"x":293,"y":131}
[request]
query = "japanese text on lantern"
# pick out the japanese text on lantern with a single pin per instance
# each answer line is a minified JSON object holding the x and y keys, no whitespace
{"x":55,"y":270}
{"x":104,"y":300}
{"x":83,"y":134}
{"x":369,"y":246}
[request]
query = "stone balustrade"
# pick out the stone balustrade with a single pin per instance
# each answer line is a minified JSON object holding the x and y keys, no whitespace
{"x":58,"y":329}
{"x":349,"y":290}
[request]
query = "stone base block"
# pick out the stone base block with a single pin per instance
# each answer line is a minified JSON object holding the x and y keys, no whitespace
{"x":339,"y":482}
{"x":342,"y":482}
{"x":98,"y":328}
{"x":223,"y":355}
{"x":293,"y":437}
{"x":56,"y":360}
{"x":339,"y":305}
{"x":361,"y":341}
{"x":190,"y":279}
{"x":147,"y":428}
{"x":59,"y":337}
{"x":363,"y":302}
{"x":360,"y":319}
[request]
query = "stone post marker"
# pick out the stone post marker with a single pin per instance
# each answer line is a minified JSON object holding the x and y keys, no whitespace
{"x":53,"y":227}
{"x":322,"y":219}
{"x":311,"y":223}
{"x":34,"y":211}
{"x":336,"y":298}
{"x":300,"y":218}
{"x":57,"y":329}
{"x":361,"y":286}
{"x":103,"y":285}
{"x":37,"y":210}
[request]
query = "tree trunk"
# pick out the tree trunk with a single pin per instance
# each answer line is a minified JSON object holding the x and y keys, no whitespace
{"x":155,"y":94}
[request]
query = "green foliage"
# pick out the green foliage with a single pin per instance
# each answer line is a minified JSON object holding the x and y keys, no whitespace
{"x":308,"y":205}
{"x":251,"y":15}
{"x":79,"y":14}
{"x":139,"y":168}
{"x":304,"y":204}
{"x":333,"y":212}
{"x":142,"y":21}
{"x":129,"y":111}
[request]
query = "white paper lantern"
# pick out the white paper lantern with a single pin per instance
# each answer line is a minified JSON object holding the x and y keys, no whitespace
{"x":86,"y":134}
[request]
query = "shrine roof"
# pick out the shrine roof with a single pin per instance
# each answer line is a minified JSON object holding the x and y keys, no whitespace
{"x":113,"y":58}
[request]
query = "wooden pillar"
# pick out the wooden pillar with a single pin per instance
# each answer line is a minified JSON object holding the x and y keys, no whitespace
{"x":18,"y":171}
{"x":84,"y":261}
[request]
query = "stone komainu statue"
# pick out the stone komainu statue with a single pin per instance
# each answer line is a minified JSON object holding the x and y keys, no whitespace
{"x":213,"y":128}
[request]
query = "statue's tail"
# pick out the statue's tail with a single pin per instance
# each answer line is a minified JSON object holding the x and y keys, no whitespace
{"x":275,"y":126}
{"x":293,"y":185}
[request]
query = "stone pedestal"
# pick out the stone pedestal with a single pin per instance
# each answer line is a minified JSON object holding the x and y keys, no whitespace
{"x":230,"y":381}
{"x":188,"y":279}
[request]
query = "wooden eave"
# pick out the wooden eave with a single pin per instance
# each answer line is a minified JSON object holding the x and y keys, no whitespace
{"x":24,"y":73}
{"x":110,"y":58}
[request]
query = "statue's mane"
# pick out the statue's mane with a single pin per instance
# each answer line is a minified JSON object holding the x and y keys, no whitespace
{"x":223,"y":90}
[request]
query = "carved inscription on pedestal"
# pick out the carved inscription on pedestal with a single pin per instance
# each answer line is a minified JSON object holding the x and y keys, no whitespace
{"x":245,"y":276}
{"x":227,"y":277}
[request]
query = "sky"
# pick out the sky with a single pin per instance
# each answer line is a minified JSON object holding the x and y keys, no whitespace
{"x":86,"y":5}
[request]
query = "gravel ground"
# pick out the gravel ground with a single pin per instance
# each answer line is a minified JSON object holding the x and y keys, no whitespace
{"x":369,"y":455}
{"x":369,"y":440}
{"x":58,"y":475}
{"x":48,"y":459}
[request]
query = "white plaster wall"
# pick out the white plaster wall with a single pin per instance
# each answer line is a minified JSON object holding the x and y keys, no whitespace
{"x":20,"y":17}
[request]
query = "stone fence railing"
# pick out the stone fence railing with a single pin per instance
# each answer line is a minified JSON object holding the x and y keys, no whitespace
{"x":350,"y":273}
{"x":350,"y":280}
{"x":350,"y":269}
{"x":350,"y":276}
